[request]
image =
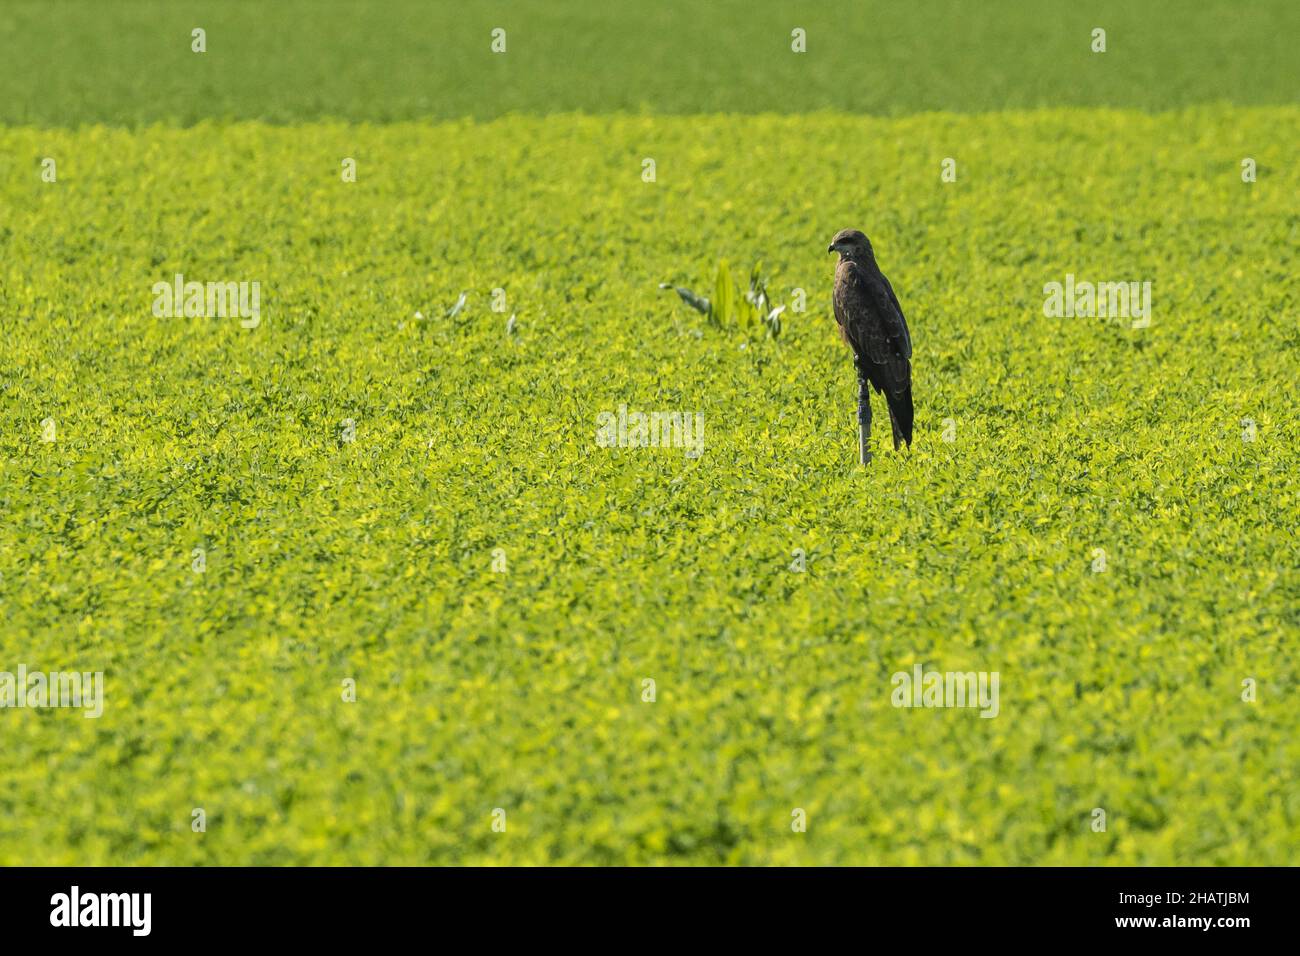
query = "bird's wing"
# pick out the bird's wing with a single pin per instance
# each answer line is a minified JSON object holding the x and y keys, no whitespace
{"x":878,"y":328}
{"x":906,"y":339}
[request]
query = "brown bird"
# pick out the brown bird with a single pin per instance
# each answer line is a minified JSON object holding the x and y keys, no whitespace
{"x":871,"y":323}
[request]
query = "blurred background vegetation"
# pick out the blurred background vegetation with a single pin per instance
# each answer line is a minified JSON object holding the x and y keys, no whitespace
{"x":129,"y":62}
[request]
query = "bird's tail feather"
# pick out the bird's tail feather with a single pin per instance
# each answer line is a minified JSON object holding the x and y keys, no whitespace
{"x":900,"y":417}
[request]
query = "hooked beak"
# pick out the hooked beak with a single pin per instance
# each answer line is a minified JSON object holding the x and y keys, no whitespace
{"x":831,"y":247}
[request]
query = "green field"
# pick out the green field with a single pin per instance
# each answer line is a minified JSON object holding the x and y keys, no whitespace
{"x":129,"y":61}
{"x":366,"y":551}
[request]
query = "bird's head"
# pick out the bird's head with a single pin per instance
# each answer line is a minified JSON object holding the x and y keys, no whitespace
{"x":851,"y":244}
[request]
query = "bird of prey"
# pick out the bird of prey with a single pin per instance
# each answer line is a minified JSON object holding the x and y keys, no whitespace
{"x":872,"y":325}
